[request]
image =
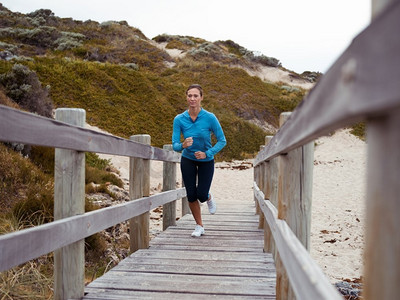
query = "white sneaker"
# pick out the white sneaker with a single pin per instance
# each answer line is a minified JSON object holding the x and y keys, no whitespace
{"x":212,"y":206}
{"x":198,"y":231}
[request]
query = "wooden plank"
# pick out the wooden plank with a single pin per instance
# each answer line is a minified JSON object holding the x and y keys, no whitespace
{"x":239,"y":248}
{"x":211,"y":242}
{"x":112,"y":294}
{"x":267,"y":264}
{"x":362,"y":83}
{"x":306,"y":278}
{"x":201,"y":255}
{"x":185,"y":233}
{"x":37,"y":241}
{"x":217,"y":285}
{"x":32,"y":129}
{"x":173,"y":232}
{"x":201,"y":268}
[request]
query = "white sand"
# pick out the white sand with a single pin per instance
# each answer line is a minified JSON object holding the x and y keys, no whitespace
{"x":338,"y":210}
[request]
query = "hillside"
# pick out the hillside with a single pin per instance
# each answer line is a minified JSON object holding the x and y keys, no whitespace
{"x":130,"y":84}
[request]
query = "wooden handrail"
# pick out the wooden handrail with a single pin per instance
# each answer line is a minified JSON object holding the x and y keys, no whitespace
{"x":306,"y":277}
{"x":369,"y":70}
{"x":27,"y":128}
{"x":36,"y":241}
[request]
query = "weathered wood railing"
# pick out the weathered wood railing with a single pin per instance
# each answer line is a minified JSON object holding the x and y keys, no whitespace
{"x":66,"y":234}
{"x":362,"y":85}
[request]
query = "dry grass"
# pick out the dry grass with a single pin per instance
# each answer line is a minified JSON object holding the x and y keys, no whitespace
{"x":31,"y":280}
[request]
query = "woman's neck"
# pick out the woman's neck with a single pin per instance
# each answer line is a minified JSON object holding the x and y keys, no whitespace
{"x":194,"y":111}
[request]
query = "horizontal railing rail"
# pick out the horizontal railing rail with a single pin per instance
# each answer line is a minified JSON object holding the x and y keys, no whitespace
{"x":27,"y":128}
{"x":40,"y":240}
{"x":306,"y":277}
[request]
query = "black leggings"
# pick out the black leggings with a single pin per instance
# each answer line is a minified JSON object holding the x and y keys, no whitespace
{"x":203,"y":171}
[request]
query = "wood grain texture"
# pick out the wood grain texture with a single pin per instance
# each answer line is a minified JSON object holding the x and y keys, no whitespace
{"x":34,"y":242}
{"x":382,"y":249}
{"x":34,"y":130}
{"x":139,"y":186}
{"x":169,"y":183}
{"x":69,"y":200}
{"x":362,"y":83}
{"x":227,"y":262}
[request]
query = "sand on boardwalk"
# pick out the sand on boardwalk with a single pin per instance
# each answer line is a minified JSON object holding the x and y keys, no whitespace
{"x":338,"y":206}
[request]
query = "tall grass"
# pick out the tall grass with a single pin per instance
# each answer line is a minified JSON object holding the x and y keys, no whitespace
{"x":31,"y":280}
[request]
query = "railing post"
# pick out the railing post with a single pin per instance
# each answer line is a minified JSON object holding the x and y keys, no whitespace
{"x":139,"y":186}
{"x":261,"y":185}
{"x":294,"y":198}
{"x":69,"y":200}
{"x":256,"y":174}
{"x":185,"y":204}
{"x":269,"y":245}
{"x":382,"y":250}
{"x":169,"y":183}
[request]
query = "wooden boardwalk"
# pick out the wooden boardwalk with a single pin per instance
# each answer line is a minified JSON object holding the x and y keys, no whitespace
{"x":226,"y":263}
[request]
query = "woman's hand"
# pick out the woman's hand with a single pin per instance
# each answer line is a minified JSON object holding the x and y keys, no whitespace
{"x":187,"y":142}
{"x":200,"y":155}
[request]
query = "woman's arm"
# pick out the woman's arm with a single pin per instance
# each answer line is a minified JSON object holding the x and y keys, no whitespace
{"x":176,"y":136}
{"x":219,"y":134}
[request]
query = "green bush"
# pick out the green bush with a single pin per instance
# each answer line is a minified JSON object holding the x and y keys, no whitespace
{"x":23,"y":86}
{"x":94,"y":175}
{"x":359,"y":130}
{"x":93,"y":160}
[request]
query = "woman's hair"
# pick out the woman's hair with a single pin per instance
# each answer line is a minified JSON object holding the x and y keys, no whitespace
{"x":195,"y":86}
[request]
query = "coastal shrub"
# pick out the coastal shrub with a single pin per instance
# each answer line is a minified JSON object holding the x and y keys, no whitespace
{"x":25,"y":190}
{"x":132,"y":66}
{"x":239,"y":130}
{"x":38,"y":207}
{"x":178,"y":41}
{"x":42,"y":13}
{"x":290,"y":89}
{"x":94,"y":175}
{"x":359,"y":130}
{"x":211,"y":52}
{"x":266,"y":61}
{"x":43,"y":158}
{"x":23,"y":86}
{"x":69,"y":40}
{"x":93,"y":160}
{"x":42,"y":36}
{"x":7,"y":46}
{"x":233,"y":47}
{"x":311,"y":76}
{"x":98,"y":171}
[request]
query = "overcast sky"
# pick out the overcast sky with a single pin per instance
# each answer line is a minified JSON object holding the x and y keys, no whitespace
{"x":305,"y":35}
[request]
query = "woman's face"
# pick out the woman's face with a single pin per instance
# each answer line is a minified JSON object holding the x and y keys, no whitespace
{"x":194,"y":98}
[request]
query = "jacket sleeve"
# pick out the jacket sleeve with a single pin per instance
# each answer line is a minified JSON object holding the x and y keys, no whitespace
{"x":219,"y":134}
{"x":176,"y":136}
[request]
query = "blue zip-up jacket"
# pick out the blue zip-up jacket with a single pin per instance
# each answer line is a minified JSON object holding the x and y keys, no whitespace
{"x":200,"y":130}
